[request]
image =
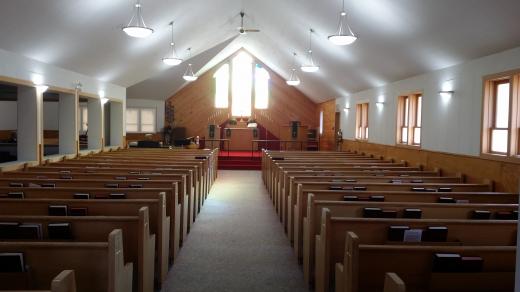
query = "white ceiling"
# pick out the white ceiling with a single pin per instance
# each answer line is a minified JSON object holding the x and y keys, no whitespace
{"x":398,"y":38}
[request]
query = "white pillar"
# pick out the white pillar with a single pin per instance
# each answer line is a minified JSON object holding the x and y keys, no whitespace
{"x":68,"y":123}
{"x":95,"y":124}
{"x":116,"y":124}
{"x":30,"y":124}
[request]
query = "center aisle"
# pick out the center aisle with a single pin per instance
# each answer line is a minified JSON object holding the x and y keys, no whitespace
{"x":237,"y":243}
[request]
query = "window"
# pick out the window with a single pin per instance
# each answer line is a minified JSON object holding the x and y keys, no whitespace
{"x":83,"y":119}
{"x":222,"y":87}
{"x":501,"y":116}
{"x":409,"y":120}
{"x":242,"y":83}
{"x":243,"y":73}
{"x":321,"y":122}
{"x":362,"y":121}
{"x":140,"y":120}
{"x":261,"y":87}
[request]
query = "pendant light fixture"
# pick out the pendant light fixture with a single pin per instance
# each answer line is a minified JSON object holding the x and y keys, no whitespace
{"x":310,"y":67}
{"x":344,"y":36}
{"x":172,"y":60}
{"x":136,"y":27}
{"x":189,"y":75}
{"x":293,"y":79}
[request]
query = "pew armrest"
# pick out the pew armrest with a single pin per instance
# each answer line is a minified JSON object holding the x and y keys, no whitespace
{"x":393,"y":283}
{"x":64,"y":282}
{"x":339,"y":278}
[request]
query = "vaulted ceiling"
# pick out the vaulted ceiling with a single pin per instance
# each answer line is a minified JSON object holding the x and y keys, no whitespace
{"x":397,"y":38}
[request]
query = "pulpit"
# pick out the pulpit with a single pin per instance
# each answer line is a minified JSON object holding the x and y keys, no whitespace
{"x":240,"y":138}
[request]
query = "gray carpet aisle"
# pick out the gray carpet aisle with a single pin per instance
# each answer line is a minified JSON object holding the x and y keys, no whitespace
{"x":237,"y":243}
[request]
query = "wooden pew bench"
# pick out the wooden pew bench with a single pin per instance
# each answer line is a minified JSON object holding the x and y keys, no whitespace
{"x":63,"y":282}
{"x":288,"y":195}
{"x":330,"y":243}
{"x":98,"y":266}
{"x":312,"y":222}
{"x":301,"y":209}
{"x":295,"y":205}
{"x":364,"y":266}
{"x":139,"y":244}
{"x":159,"y":221}
{"x":173,"y":208}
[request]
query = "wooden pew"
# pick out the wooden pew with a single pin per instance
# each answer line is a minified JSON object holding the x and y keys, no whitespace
{"x":312,"y":221}
{"x":330,"y":244}
{"x":159,"y":221}
{"x":139,"y":244}
{"x":284,"y":181}
{"x":296,"y":205}
{"x":105,"y":269}
{"x":102,"y":173}
{"x":393,"y":283}
{"x":63,"y":282}
{"x":173,"y":208}
{"x":291,"y":193}
{"x":364,"y":266}
{"x":191,"y":195}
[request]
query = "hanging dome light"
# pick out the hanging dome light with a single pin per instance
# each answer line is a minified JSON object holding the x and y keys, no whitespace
{"x":344,"y":36}
{"x":172,"y":60}
{"x":293,"y":79}
{"x":310,"y":67}
{"x":136,"y":27}
{"x":189,"y":75}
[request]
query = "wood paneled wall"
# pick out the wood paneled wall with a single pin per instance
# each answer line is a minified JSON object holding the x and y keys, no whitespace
{"x":195,"y":110}
{"x":505,"y":175}
{"x":328,"y":138}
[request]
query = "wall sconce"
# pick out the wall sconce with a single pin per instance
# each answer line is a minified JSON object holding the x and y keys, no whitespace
{"x":78,"y":86}
{"x":447,"y":89}
{"x":380,"y":103}
{"x":346,"y":108}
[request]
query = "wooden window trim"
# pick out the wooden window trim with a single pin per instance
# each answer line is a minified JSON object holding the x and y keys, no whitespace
{"x":490,"y":85}
{"x":362,"y":111}
{"x":412,"y":118}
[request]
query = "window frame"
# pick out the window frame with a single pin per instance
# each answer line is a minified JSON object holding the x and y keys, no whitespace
{"x":490,"y":88}
{"x":362,"y":126}
{"x":408,"y":118}
{"x":139,"y":120}
{"x":255,"y":64}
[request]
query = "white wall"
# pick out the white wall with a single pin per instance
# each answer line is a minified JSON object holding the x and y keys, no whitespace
{"x":8,"y":115}
{"x":51,"y":116}
{"x":449,"y":125}
{"x":20,"y":67}
{"x":158,"y":105}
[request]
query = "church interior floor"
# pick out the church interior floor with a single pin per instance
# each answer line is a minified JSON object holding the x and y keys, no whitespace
{"x":237,"y":243}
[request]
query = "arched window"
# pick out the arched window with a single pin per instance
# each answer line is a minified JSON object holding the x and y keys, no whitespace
{"x":242,"y":82}
{"x":261,"y":87}
{"x":244,"y":73}
{"x":222,"y":87}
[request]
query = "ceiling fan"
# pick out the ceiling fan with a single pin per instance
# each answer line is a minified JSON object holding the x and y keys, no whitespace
{"x":243,"y":30}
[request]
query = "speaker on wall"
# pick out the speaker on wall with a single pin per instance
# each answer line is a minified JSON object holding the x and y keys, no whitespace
{"x":212,"y":131}
{"x":294,"y":129}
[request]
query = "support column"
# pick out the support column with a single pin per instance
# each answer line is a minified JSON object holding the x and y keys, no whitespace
{"x":95,"y":124}
{"x":68,"y":123}
{"x":30,"y":124}
{"x":116,"y":124}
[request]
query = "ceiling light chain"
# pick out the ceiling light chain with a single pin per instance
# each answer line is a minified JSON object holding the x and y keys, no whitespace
{"x":189,"y":75}
{"x":310,"y":67}
{"x":345,"y":35}
{"x":294,"y":80}
{"x":172,"y":60}
{"x":139,"y":28}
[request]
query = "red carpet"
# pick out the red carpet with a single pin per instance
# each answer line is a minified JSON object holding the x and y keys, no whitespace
{"x":240,"y":160}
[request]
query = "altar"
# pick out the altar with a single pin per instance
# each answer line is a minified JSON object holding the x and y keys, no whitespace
{"x":240,"y":138}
